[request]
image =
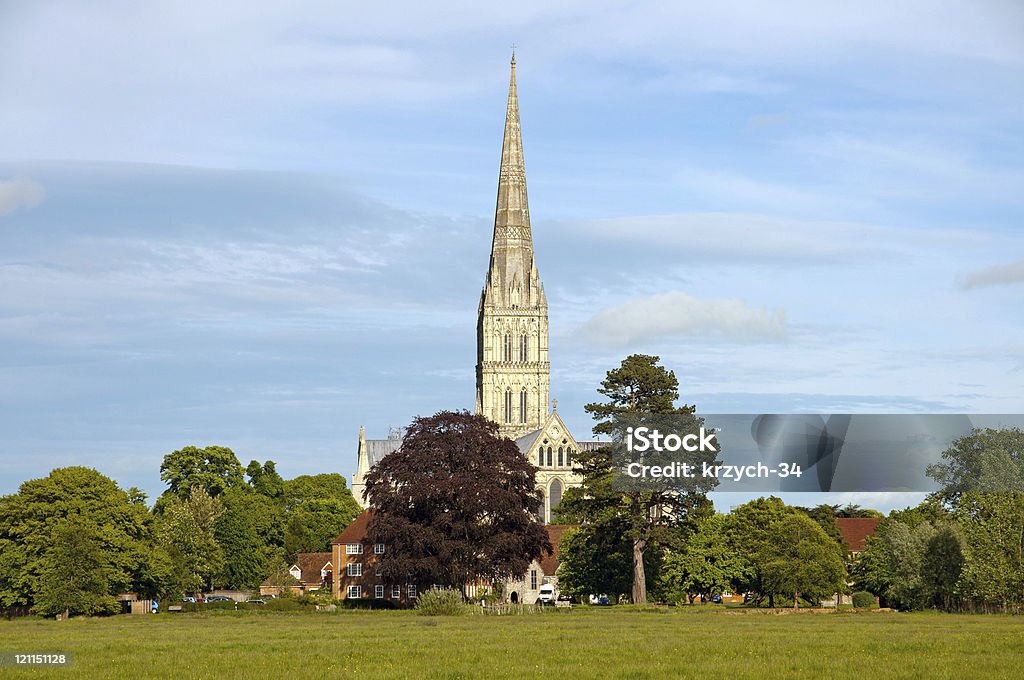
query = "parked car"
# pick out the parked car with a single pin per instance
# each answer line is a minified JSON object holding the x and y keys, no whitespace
{"x":547,"y":594}
{"x":255,"y":602}
{"x":188,"y":598}
{"x":218,"y":598}
{"x":717,"y":599}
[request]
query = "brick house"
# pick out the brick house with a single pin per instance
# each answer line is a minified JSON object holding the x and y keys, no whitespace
{"x":356,"y":576}
{"x":313,"y":571}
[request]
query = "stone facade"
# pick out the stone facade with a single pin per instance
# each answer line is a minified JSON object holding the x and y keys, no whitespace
{"x":513,"y":373}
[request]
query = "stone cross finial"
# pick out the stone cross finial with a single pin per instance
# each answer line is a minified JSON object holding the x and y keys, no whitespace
{"x":554,"y":404}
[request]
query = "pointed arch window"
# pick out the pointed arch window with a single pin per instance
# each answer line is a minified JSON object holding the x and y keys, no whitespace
{"x":549,"y":456}
{"x":523,"y":348}
{"x":540,"y":457}
{"x":508,"y":406}
{"x":561,"y":460}
{"x":508,"y":347}
{"x":522,"y":406}
{"x":555,"y":496}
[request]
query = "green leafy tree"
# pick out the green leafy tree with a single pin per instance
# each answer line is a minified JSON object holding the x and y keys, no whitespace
{"x":249,"y":534}
{"x":213,"y":469}
{"x":993,"y":549}
{"x":802,"y":560}
{"x":639,"y":386}
{"x":455,"y":503}
{"x":318,"y":508}
{"x":30,"y":521}
{"x":708,"y":564}
{"x":74,"y":573}
{"x":187,"y":534}
{"x":906,"y":547}
{"x":594,"y":562}
{"x":264,"y":480}
{"x":986,"y":460}
{"x":749,"y":530}
{"x":942,"y":565}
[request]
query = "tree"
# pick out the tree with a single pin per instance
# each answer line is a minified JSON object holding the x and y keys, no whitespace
{"x":708,"y":564}
{"x":214,"y":469}
{"x":942,"y":565}
{"x":639,"y":387}
{"x":187,"y":534}
{"x":993,"y":550}
{"x":318,"y":508}
{"x":75,"y":574}
{"x":984,"y":461}
{"x":30,"y":520}
{"x":264,"y":480}
{"x":594,"y":562}
{"x":749,"y":530}
{"x":249,"y":533}
{"x":455,"y":503}
{"x":802,"y":560}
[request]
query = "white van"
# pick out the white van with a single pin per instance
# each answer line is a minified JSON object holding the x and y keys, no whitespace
{"x":547,"y":594}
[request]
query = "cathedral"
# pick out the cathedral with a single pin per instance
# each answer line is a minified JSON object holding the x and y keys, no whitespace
{"x":513,"y":372}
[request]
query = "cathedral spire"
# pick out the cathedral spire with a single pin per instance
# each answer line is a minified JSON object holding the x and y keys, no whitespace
{"x":513,"y":373}
{"x":512,"y":264}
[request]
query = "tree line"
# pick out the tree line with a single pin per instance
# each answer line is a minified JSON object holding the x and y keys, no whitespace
{"x":71,"y":541}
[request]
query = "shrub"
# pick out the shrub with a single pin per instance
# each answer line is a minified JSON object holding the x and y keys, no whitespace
{"x":863,"y":600}
{"x":440,"y":602}
{"x":220,"y":604}
{"x":285,"y":604}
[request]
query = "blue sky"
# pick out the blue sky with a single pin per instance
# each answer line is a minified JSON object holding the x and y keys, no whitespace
{"x":263,"y":224}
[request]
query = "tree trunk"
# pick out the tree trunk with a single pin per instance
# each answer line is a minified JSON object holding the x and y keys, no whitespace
{"x":796,"y":600}
{"x":639,"y":577}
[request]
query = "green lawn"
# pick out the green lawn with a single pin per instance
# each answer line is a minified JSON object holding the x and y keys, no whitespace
{"x":586,"y":643}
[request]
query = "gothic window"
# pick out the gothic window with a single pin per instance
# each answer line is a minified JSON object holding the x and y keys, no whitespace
{"x":508,"y":347}
{"x":540,"y":510}
{"x":549,"y":456}
{"x":568,"y":457}
{"x":556,"y":495}
{"x":508,"y":406}
{"x":522,"y":406}
{"x":560,"y":459}
{"x":522,"y":348}
{"x":540,"y":457}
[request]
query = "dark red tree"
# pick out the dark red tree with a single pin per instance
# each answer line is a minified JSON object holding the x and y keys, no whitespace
{"x":455,"y":504}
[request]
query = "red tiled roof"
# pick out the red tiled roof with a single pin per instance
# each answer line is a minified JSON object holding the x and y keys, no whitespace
{"x":549,"y":563}
{"x":356,"y":531}
{"x":855,"y":530}
{"x":311,"y":564}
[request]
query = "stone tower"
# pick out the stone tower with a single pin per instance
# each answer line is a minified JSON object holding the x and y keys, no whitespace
{"x":513,"y":374}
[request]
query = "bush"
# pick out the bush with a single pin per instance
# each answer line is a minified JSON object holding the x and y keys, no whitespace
{"x":285,"y":604}
{"x":863,"y":600}
{"x":220,"y":604}
{"x":440,"y":602}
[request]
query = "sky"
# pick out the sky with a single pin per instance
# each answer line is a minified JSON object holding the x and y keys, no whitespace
{"x":264,"y":224}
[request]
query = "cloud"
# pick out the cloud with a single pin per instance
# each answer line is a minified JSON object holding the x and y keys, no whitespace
{"x":19,"y":192}
{"x":674,"y":314}
{"x":996,"y":275}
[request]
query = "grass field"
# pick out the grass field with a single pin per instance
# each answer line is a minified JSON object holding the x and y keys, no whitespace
{"x":584,"y":643}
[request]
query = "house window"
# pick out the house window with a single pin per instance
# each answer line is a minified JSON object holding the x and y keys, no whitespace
{"x":378,"y":548}
{"x":522,"y":406}
{"x":355,"y":592}
{"x":396,"y":592}
{"x":378,"y":592}
{"x":412,"y":592}
{"x":533,"y":579}
{"x":353,"y":548}
{"x":355,"y":569}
